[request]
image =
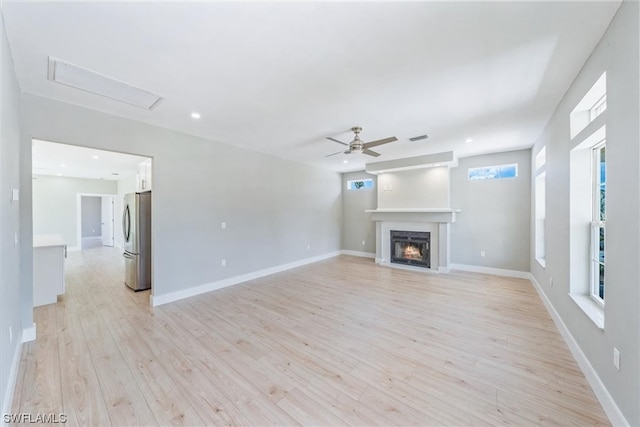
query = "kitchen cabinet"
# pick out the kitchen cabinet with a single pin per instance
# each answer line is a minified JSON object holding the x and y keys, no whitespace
{"x":49,"y":253}
{"x":144,"y":176}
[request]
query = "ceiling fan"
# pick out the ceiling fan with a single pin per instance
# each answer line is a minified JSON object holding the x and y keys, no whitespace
{"x":357,"y":146}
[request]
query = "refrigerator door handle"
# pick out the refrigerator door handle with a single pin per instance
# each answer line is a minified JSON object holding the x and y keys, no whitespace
{"x":128,"y":256}
{"x":126,"y":223}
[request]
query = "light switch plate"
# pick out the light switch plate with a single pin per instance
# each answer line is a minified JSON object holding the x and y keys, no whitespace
{"x":15,"y":194}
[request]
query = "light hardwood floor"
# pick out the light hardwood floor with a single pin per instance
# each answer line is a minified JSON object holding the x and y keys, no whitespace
{"x":338,"y":342}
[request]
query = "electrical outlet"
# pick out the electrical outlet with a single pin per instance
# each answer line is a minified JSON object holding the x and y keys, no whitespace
{"x":223,"y":225}
{"x":616,"y":358}
{"x":223,"y":263}
{"x":482,"y":253}
{"x":551,"y":281}
{"x":15,"y":240}
{"x":308,"y":247}
{"x":10,"y":334}
{"x":363,"y":243}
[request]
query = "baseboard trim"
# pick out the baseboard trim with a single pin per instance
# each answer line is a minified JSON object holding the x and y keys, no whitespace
{"x":602,"y":394}
{"x":29,"y":334}
{"x":358,"y":253}
{"x":13,"y":377}
{"x":489,"y":270}
{"x":208,"y":287}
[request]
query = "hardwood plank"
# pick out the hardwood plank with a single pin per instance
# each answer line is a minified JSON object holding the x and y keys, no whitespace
{"x":338,"y":342}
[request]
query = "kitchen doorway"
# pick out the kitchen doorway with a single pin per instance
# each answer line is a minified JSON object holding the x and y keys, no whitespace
{"x":78,"y":195}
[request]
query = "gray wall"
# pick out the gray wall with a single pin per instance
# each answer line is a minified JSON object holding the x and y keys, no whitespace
{"x":272,"y":206}
{"x":11,"y":280}
{"x":55,"y":204}
{"x":357,"y":224}
{"x":91,"y":218}
{"x":618,"y":55}
{"x":495,"y":214}
{"x":420,"y":188}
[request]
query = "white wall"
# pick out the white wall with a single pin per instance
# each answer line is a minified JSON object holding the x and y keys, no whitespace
{"x":618,"y":55}
{"x":55,"y":204}
{"x":272,"y":207}
{"x":11,"y":280}
{"x":420,"y":188}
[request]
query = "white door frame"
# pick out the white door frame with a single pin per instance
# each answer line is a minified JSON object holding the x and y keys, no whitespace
{"x":79,"y":196}
{"x":111,"y":201}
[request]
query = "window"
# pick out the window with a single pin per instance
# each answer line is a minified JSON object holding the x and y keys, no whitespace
{"x":590,"y":106}
{"x":541,"y":158}
{"x":598,"y":200}
{"x":587,"y":202}
{"x":598,"y":107}
{"x":493,"y":172}
{"x":540,"y":204}
{"x":359,"y":184}
{"x":540,"y":214}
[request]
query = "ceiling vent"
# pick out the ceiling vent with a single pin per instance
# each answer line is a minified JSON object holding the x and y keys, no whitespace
{"x":419,"y":138}
{"x":90,"y":81}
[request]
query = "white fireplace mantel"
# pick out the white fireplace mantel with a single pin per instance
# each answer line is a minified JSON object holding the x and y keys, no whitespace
{"x":440,"y":215}
{"x":415,"y":219}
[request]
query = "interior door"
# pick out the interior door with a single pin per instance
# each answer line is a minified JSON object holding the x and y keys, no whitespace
{"x":107,"y":221}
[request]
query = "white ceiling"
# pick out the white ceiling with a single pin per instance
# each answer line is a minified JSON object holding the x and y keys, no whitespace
{"x":54,"y":159}
{"x":280,"y":77}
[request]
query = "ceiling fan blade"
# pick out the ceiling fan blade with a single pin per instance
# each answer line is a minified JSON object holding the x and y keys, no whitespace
{"x":379,"y":142}
{"x":335,"y":140}
{"x":370,"y":153}
{"x":339,"y":152}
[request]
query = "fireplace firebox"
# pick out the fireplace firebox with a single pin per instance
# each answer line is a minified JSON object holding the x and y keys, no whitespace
{"x":411,"y":248}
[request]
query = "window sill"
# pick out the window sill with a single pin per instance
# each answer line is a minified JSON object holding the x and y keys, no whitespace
{"x":590,"y":308}
{"x":542,"y":262}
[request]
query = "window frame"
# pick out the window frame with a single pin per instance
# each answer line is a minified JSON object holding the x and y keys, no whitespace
{"x":598,"y":107}
{"x":598,"y":222}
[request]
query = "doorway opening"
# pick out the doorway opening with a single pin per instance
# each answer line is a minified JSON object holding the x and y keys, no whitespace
{"x":95,"y":220}
{"x":78,"y":194}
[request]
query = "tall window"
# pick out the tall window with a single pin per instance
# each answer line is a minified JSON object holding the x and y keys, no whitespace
{"x":587,"y":202}
{"x":598,"y":220}
{"x":540,"y":194}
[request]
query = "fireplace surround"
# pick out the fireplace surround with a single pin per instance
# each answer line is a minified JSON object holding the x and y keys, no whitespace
{"x":434,"y":221}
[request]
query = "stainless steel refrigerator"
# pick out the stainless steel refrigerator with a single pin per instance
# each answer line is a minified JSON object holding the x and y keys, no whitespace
{"x":136,"y":228}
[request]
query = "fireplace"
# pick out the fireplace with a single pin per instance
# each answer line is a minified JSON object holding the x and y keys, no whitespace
{"x":411,"y":248}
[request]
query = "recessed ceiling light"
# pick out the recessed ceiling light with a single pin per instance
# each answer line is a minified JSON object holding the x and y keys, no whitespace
{"x":437,"y":164}
{"x":63,"y":165}
{"x":345,"y":161}
{"x":468,"y":140}
{"x":58,"y":174}
{"x":195,"y":115}
{"x":95,"y":157}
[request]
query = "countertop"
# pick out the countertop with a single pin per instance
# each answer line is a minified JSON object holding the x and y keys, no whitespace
{"x":48,"y":240}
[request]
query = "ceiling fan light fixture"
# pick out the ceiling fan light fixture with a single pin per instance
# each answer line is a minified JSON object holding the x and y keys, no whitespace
{"x":81,"y":78}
